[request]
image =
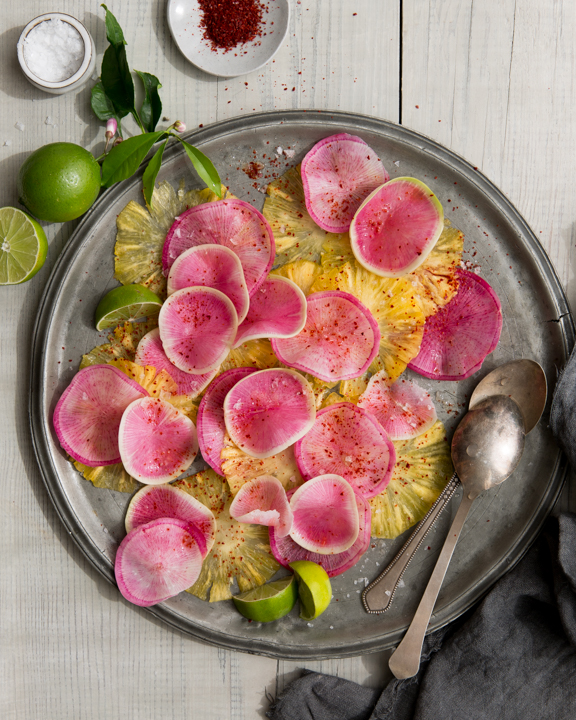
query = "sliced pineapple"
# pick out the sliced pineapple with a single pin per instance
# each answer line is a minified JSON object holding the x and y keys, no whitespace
{"x":122,"y":346}
{"x":336,"y":251}
{"x":111,"y":477}
{"x":156,"y":384}
{"x":352,"y":389}
{"x":393,"y":303}
{"x":301,"y":272}
{"x":241,"y":552}
{"x":253,"y":353}
{"x":423,"y":468}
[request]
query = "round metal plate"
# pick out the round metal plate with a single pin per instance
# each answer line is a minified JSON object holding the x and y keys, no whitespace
{"x":537,"y":325}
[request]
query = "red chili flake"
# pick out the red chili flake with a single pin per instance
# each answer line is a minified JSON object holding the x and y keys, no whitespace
{"x":231,"y":23}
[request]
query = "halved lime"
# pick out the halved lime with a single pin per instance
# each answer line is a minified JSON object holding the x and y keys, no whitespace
{"x":314,"y":588}
{"x":23,"y":246}
{"x":268,"y":602}
{"x":127,"y":303}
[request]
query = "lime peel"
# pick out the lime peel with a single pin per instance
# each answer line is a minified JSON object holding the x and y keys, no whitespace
{"x":268,"y":602}
{"x":314,"y":588}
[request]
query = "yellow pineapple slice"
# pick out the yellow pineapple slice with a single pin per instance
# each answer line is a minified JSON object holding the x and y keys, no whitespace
{"x":122,"y":346}
{"x":352,"y":389}
{"x":336,"y":251}
{"x":253,"y":353}
{"x":156,"y":384}
{"x":394,"y":305}
{"x":423,"y":467}
{"x":297,"y":236}
{"x":241,"y":552}
{"x":111,"y":477}
{"x":301,"y":272}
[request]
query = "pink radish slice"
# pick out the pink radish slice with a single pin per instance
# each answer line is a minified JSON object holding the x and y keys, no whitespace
{"x":404,"y":409}
{"x":338,"y":174}
{"x":151,"y":352}
{"x":210,"y":420}
{"x":339,"y":340}
{"x":285,"y":550}
{"x":348,"y":441}
{"x":157,"y":561}
{"x":396,"y":227}
{"x":157,"y":441}
{"x":197,"y":328}
{"x":458,"y":338}
{"x":269,"y":410}
{"x":232,"y":223}
{"x":87,"y":416}
{"x":166,"y":501}
{"x":277,"y":310}
{"x":214,"y":266}
{"x":263,"y":501}
{"x":326,"y":517}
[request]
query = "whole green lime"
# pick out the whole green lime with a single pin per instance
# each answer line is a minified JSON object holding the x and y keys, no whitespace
{"x":59,"y":182}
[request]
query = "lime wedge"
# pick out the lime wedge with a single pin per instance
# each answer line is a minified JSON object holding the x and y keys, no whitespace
{"x":23,"y":246}
{"x":128,"y":303}
{"x":314,"y":588}
{"x":268,"y":602}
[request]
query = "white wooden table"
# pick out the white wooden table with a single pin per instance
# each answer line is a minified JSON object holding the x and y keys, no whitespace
{"x":493,"y":81}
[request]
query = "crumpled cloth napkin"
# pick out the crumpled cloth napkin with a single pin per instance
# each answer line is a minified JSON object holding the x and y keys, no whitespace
{"x":512,"y":657}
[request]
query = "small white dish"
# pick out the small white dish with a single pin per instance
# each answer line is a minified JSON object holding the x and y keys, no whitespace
{"x":184,"y":18}
{"x":83,"y":73}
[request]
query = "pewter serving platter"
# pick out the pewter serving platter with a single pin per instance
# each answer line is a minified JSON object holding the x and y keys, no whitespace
{"x":537,"y":325}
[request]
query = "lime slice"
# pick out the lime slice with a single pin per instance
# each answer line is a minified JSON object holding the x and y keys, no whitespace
{"x":314,"y":589}
{"x":268,"y":602}
{"x":127,"y":303}
{"x":23,"y":246}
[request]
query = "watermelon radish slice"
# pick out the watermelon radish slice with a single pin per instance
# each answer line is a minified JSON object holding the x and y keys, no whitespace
{"x":285,"y":550}
{"x":277,"y":310}
{"x":348,"y":441}
{"x":338,"y":174}
{"x":458,"y":338}
{"x":87,"y":416}
{"x":157,"y":561}
{"x":232,"y":223}
{"x":210,"y":419}
{"x":396,"y":227}
{"x":339,"y":340}
{"x":157,"y":442}
{"x":166,"y":501}
{"x":269,"y":410}
{"x":404,"y":409}
{"x":263,"y":501}
{"x":214,"y":266}
{"x":150,"y":351}
{"x":197,"y":328}
{"x":326,"y":517}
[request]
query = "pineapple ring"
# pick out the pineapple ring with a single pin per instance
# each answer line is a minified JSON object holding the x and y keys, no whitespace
{"x":423,"y":468}
{"x":301,"y":272}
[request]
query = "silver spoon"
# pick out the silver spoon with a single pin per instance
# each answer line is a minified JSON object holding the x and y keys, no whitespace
{"x":522,"y":380}
{"x":486,"y":448}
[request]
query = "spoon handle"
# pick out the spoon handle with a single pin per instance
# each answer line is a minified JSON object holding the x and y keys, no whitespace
{"x":378,"y":596}
{"x":405,"y":660}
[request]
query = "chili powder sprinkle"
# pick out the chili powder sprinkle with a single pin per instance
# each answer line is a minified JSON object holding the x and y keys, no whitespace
{"x":228,"y":23}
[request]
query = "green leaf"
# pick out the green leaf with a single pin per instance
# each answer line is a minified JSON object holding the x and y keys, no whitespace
{"x":101,"y":103}
{"x":149,"y":178}
{"x":124,"y":159}
{"x":151,"y":110}
{"x":203,"y":167}
{"x":117,"y":79}
{"x":114,"y":32}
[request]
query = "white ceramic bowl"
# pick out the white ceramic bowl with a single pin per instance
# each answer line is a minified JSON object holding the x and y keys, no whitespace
{"x":184,"y":17}
{"x":83,"y":73}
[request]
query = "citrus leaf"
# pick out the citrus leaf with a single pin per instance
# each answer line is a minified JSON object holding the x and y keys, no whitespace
{"x":114,"y":33}
{"x":204,"y":167}
{"x":149,"y":177}
{"x":151,"y":109}
{"x":124,"y":159}
{"x":117,"y":80}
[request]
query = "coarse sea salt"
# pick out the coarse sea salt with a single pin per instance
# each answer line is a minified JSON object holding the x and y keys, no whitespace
{"x":53,"y":50}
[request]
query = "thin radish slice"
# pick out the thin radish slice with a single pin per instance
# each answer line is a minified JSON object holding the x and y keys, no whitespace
{"x":403,"y":408}
{"x":462,"y":333}
{"x":269,"y":410}
{"x":232,"y":223}
{"x":197,"y":327}
{"x":150,"y":351}
{"x":263,"y":501}
{"x":210,"y":419}
{"x":339,"y":340}
{"x":396,"y":227}
{"x":157,"y":441}
{"x":338,"y":174}
{"x":325,"y":515}
{"x":348,"y":441}
{"x":157,"y":561}
{"x":277,"y":310}
{"x":214,"y":266}
{"x":166,"y":501}
{"x":285,"y":550}
{"x":87,"y":416}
